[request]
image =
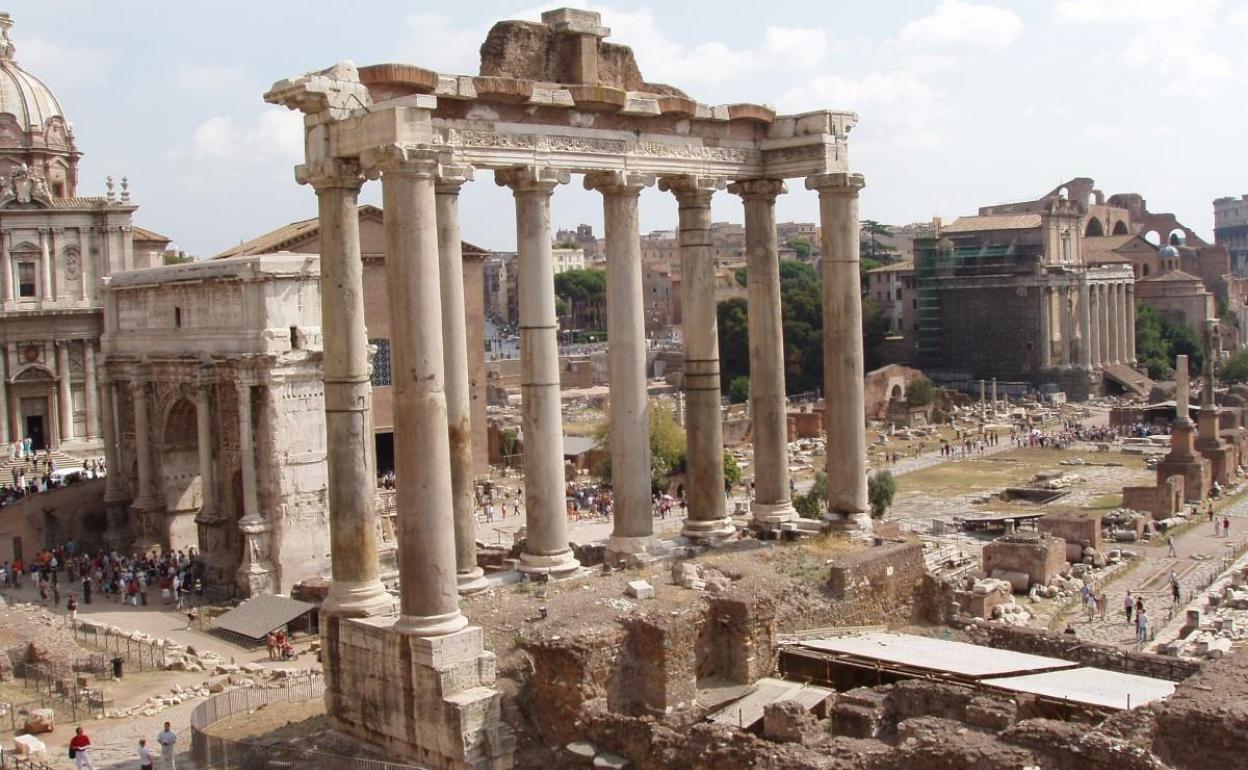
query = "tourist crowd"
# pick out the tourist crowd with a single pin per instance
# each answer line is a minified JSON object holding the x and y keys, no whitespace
{"x":39,"y":473}
{"x":122,"y":578}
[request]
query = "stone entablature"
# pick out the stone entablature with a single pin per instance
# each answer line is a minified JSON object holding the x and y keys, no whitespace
{"x":213,"y":371}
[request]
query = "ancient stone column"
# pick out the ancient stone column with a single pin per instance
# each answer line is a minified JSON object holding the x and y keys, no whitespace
{"x":64,"y":397}
{"x":1182,"y":408}
{"x":1065,"y":324}
{"x":91,"y":393}
{"x":428,"y":587}
{"x":1128,"y":312}
{"x":1085,"y":325}
{"x":843,"y":397}
{"x":4,"y":395}
{"x":771,"y":506}
{"x":1046,"y":328}
{"x":255,"y":568}
{"x":1126,"y":320}
{"x":115,"y":534}
{"x":6,"y":263}
{"x":45,"y":283}
{"x":350,"y":458}
{"x":704,"y":486}
{"x":469,"y":576}
{"x":1098,"y":341}
{"x":145,"y":500}
{"x":633,"y":527}
{"x":546,"y":519}
{"x":1112,"y":331}
{"x":203,"y":425}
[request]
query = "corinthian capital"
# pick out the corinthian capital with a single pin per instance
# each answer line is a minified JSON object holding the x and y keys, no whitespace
{"x":837,"y":183}
{"x":531,"y":178}
{"x":767,"y":189}
{"x":324,"y":174}
{"x":618,"y":182}
{"x":413,"y":160}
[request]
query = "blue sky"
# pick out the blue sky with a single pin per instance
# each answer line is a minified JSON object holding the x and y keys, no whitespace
{"x":961,"y":103}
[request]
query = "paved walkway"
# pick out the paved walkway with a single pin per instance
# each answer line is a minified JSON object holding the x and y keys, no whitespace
{"x":1150,"y":577}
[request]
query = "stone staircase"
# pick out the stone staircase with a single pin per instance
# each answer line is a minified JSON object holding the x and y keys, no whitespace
{"x":1129,"y":378}
{"x":62,"y":459}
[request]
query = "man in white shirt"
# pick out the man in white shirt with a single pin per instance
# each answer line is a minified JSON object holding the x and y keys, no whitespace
{"x":166,"y":739}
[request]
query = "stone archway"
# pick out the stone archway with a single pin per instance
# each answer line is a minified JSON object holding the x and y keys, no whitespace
{"x":179,"y":475}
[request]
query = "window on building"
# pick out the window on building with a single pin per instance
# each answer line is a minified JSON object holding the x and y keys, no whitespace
{"x":26,"y":286}
{"x":899,"y":294}
{"x":177,"y":317}
{"x":381,"y":363}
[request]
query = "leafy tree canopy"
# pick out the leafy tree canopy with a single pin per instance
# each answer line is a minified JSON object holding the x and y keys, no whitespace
{"x":1158,"y":339}
{"x":881,"y":488}
{"x":581,"y":285}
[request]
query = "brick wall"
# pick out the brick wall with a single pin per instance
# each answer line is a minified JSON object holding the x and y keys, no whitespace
{"x":1163,"y":500}
{"x":1079,"y":530}
{"x":1040,"y":557}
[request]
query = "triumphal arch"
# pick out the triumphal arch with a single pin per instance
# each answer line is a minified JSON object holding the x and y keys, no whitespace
{"x":552,"y":99}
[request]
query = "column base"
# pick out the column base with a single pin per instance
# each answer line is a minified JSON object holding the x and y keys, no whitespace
{"x":431,"y":625}
{"x":471,"y":582}
{"x":429,"y":700}
{"x":708,"y":531}
{"x":358,"y":599}
{"x":770,"y":515}
{"x":556,"y":566}
{"x":855,"y":525}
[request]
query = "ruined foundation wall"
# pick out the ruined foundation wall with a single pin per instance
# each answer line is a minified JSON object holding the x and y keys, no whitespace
{"x":1039,"y":642}
{"x":877,"y":585}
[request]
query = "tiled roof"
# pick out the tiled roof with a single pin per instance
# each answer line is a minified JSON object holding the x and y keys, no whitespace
{"x":79,"y":202}
{"x":993,"y":222}
{"x":143,"y":234}
{"x":1171,"y":276}
{"x":285,"y":236}
{"x":1104,"y":248}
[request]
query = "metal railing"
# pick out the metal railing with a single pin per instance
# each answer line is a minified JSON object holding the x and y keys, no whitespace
{"x":225,"y":754}
{"x":54,"y":686}
{"x":147,"y":656}
{"x":11,"y":761}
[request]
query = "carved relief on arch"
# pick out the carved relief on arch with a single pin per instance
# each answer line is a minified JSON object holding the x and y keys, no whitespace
{"x":57,"y":134}
{"x":72,"y":258}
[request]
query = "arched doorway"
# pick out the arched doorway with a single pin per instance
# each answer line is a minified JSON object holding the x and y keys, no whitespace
{"x":1095,"y":229}
{"x":180,"y":477}
{"x":1120,"y":228}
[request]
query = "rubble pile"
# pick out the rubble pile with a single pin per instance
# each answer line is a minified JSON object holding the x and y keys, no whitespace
{"x":1213,"y":630}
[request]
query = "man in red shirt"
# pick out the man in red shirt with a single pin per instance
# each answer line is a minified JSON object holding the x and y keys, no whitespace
{"x":80,"y":744}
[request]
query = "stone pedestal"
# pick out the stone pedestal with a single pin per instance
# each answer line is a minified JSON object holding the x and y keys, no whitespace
{"x":1183,"y":460}
{"x":1215,"y":449}
{"x":427,"y":700}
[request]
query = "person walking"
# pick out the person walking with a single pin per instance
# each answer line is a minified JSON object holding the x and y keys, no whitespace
{"x":1141,"y":627}
{"x":1091,"y":599}
{"x":1128,"y":604}
{"x":1226,"y":526}
{"x":80,"y":750}
{"x":1170,"y":544}
{"x":145,"y":755}
{"x":167,"y":739}
{"x":72,"y":606}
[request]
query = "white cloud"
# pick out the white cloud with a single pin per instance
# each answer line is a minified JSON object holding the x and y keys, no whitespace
{"x":1239,"y":16}
{"x":896,"y":108}
{"x":958,"y":27}
{"x":211,"y":77}
{"x":54,"y":63}
{"x":222,"y":150}
{"x":431,"y":42}
{"x":1169,"y":39}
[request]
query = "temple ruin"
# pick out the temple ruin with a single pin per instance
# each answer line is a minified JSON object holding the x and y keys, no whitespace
{"x":552,"y":99}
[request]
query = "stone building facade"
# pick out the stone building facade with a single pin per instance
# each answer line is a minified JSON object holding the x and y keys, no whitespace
{"x":55,"y":247}
{"x":1230,"y":231}
{"x":212,"y":382}
{"x":304,"y":237}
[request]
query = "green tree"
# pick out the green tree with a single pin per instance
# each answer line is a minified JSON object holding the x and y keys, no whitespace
{"x":742,"y":275}
{"x":177,"y":258}
{"x":739,"y":390}
{"x":810,"y":504}
{"x":865,"y":266}
{"x":801,"y":247}
{"x":802,"y":317}
{"x":667,"y":447}
{"x":1235,"y":368}
{"x":875,"y":328}
{"x":1158,"y":339}
{"x":732,"y":470}
{"x":920,"y":391}
{"x":881,"y":488}
{"x":875,"y":250}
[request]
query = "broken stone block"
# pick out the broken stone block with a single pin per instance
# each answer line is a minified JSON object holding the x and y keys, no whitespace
{"x":609,"y":761}
{"x":40,"y":721}
{"x":640,"y":589}
{"x":790,"y":722}
{"x":1214,"y":647}
{"x":581,"y":753}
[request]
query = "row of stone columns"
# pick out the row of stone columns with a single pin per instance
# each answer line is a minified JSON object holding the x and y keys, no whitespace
{"x":64,"y":394}
{"x":1106,"y":316}
{"x":433,"y":492}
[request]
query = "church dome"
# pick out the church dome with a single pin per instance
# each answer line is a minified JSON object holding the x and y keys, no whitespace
{"x":33,"y":128}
